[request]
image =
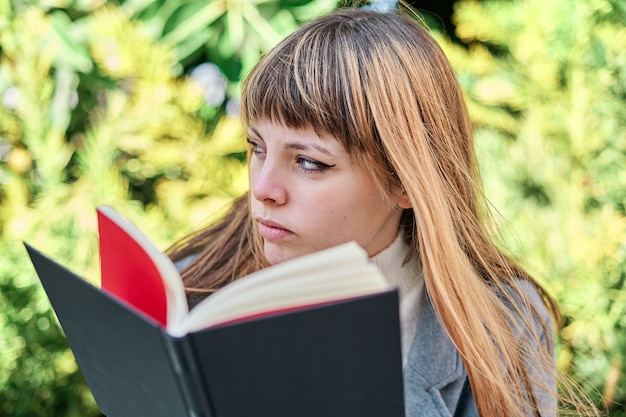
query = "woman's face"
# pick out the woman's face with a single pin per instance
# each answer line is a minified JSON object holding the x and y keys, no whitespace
{"x":308,"y":195}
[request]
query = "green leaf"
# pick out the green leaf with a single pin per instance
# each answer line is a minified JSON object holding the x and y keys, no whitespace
{"x":72,"y":53}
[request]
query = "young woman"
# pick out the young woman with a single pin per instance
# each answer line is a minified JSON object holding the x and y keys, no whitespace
{"x":358,"y":131}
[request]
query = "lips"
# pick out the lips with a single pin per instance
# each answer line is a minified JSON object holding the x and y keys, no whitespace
{"x":273,"y":231}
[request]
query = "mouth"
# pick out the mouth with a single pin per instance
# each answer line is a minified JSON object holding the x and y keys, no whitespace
{"x":270,"y":230}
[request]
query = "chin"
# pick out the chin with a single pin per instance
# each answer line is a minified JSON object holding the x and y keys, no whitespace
{"x":275,"y":254}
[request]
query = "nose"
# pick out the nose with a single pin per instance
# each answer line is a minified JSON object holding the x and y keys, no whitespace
{"x":267,"y":184}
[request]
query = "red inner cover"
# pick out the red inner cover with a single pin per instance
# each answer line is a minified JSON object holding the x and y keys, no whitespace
{"x":128,"y":272}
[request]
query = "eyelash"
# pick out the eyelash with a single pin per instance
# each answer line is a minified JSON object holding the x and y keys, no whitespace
{"x":319,"y":166}
{"x":254,"y":147}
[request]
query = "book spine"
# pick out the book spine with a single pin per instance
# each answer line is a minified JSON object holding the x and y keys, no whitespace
{"x":189,"y":381}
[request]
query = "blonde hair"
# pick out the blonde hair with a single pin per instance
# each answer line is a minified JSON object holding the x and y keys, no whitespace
{"x":382,"y":86}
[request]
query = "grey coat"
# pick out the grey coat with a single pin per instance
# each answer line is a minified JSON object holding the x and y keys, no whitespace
{"x":435,"y":380}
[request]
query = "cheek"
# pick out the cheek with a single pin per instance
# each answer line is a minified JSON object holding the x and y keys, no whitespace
{"x":341,"y":213}
{"x":369,"y":212}
{"x":322,"y":217}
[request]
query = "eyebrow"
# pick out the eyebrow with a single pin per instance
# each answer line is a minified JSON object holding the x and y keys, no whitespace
{"x":297,"y":145}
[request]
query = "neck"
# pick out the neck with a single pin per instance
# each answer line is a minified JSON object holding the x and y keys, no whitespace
{"x":391,"y":261}
{"x":409,"y":279}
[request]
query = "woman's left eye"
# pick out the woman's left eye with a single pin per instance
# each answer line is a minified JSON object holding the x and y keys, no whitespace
{"x":311,"y":166}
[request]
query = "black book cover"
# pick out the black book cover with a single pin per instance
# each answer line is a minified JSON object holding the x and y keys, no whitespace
{"x":341,"y":359}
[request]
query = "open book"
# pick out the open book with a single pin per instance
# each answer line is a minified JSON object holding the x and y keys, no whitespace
{"x":316,"y":335}
{"x":133,"y":269}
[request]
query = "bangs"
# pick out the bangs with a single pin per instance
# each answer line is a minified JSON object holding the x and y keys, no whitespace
{"x":310,"y":80}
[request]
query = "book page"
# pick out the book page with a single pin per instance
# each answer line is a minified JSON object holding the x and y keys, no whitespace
{"x":333,"y":274}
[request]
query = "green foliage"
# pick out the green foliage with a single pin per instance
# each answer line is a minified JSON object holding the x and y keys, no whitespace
{"x":221,"y":30}
{"x":546,"y":87}
{"x":102,"y":104}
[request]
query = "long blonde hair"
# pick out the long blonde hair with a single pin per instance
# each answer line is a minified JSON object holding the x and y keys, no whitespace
{"x":381,"y":85}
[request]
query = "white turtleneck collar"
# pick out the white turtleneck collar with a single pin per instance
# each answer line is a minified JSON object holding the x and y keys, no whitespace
{"x":409,"y":279}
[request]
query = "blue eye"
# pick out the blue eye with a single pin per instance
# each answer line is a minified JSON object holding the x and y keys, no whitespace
{"x":310,"y":166}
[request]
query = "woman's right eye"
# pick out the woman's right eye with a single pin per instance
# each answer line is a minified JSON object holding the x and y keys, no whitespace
{"x":255,"y":148}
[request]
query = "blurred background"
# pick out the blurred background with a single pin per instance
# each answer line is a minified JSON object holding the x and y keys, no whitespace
{"x":135,"y":104}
